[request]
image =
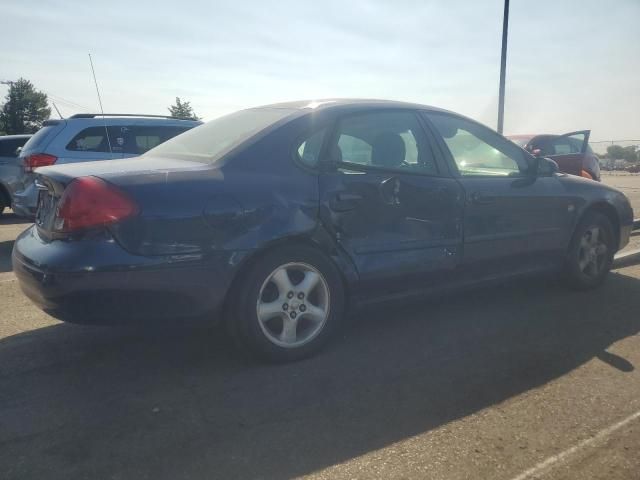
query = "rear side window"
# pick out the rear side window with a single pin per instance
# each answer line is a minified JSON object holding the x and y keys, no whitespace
{"x":9,"y":147}
{"x":131,"y":139}
{"x":96,"y":139}
{"x":309,"y":150}
{"x":140,"y":139}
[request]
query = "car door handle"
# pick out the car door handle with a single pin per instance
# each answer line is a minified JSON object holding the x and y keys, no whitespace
{"x":480,"y":198}
{"x":343,"y":202}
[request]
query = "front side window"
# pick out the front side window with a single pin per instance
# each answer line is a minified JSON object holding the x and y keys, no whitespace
{"x":559,"y":145}
{"x":476,"y":150}
{"x":386,"y":140}
{"x":566,"y":145}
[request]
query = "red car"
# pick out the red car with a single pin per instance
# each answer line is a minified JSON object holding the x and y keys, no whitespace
{"x":570,"y":151}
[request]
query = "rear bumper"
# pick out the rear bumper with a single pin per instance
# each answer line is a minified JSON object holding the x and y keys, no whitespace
{"x":98,"y":282}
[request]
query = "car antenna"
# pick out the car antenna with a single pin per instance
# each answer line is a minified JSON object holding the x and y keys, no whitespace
{"x":56,"y":107}
{"x":106,"y":130}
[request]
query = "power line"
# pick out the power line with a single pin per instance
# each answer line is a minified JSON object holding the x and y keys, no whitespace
{"x":68,"y":102}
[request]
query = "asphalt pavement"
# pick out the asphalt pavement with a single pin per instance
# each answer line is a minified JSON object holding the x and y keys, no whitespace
{"x":519,"y":381}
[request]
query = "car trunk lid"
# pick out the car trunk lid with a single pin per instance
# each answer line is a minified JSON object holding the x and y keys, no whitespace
{"x":122,"y":174}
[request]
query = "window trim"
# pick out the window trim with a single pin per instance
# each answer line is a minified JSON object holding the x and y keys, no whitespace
{"x":450,"y":160}
{"x":328,"y":127}
{"x":332,"y":139}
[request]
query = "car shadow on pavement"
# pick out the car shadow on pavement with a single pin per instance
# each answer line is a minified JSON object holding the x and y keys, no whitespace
{"x":180,"y":403}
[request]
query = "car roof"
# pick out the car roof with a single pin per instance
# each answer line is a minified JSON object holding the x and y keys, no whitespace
{"x":116,"y":120}
{"x":88,"y":120}
{"x":330,"y":103}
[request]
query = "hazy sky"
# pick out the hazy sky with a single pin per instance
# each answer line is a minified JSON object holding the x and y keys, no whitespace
{"x":572,"y":64}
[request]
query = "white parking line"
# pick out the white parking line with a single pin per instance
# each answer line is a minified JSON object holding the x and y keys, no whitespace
{"x":552,"y":461}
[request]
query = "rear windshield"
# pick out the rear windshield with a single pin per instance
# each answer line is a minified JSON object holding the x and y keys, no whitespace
{"x":211,"y":141}
{"x":38,"y":139}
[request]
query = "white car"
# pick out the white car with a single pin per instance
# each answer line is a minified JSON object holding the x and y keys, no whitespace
{"x":89,"y":137}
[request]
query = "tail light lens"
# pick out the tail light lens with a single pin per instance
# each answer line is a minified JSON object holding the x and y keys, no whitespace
{"x":38,"y":160}
{"x":91,"y":202}
{"x":586,"y":174}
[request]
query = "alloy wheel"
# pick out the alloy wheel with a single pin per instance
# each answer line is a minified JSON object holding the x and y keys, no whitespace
{"x":592,"y":253}
{"x":293,"y":305}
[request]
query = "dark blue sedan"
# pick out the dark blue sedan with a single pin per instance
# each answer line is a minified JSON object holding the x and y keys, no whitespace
{"x":277,"y":218}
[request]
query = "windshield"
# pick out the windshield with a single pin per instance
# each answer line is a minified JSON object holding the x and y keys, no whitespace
{"x":211,"y":141}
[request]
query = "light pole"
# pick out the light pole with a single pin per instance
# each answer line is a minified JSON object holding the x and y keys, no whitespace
{"x":503,"y":66}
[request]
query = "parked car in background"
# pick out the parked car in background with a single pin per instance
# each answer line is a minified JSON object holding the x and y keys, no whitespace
{"x":620,"y":164}
{"x":88,"y":137}
{"x":10,"y":167}
{"x":276,"y":218}
{"x":633,"y":168}
{"x":570,"y":151}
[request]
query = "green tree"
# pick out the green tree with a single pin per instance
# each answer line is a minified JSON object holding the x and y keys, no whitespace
{"x":24,"y":109}
{"x":183,"y":110}
{"x":630,"y":154}
{"x":615,"y":152}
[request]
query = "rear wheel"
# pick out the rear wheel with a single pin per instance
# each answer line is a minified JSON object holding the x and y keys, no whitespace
{"x":287,"y":305}
{"x":591,"y":252}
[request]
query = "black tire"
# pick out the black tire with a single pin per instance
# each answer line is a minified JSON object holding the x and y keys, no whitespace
{"x":579,"y":276}
{"x":256,"y":337}
{"x":3,"y":204}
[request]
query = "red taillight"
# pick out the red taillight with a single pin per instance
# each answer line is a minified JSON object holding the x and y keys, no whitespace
{"x":38,"y":160}
{"x":91,"y":202}
{"x":586,"y":174}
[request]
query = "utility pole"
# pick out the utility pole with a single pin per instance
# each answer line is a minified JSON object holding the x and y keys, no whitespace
{"x":503,"y":66}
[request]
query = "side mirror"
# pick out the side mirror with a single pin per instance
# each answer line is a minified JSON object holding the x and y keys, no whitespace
{"x":546,"y":167}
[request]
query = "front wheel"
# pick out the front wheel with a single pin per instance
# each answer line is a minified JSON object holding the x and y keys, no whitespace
{"x":288,"y":304}
{"x":590,"y":254}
